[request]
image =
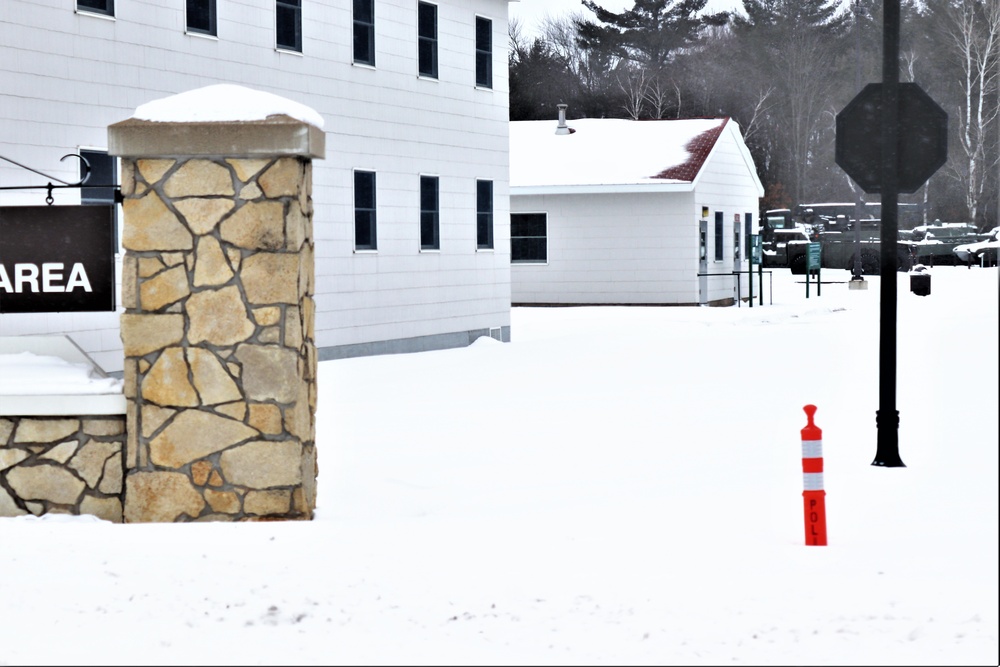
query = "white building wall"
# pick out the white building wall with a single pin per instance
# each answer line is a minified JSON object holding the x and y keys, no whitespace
{"x":68,"y":75}
{"x":642,"y":247}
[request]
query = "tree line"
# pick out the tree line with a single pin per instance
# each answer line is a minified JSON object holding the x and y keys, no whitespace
{"x":782,"y":69}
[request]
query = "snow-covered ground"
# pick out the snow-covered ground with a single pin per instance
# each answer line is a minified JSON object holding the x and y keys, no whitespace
{"x":615,"y":486}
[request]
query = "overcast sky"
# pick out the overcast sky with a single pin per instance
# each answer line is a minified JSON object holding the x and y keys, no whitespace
{"x":532,"y":12}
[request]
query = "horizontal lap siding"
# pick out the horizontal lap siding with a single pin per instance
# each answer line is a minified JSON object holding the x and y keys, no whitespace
{"x":67,"y":76}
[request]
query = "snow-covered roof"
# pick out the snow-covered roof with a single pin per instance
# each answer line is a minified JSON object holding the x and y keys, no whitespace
{"x":610,"y":154}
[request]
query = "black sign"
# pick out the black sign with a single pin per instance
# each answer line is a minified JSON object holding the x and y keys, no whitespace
{"x":923,"y":138}
{"x":57,"y":259}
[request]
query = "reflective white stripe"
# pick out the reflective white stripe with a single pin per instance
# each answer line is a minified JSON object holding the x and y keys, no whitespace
{"x":812,"y":481}
{"x":812,"y":449}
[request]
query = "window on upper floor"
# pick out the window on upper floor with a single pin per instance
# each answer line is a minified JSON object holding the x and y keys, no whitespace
{"x":364,"y":211}
{"x":528,"y":240}
{"x":201,"y":17}
{"x":430,"y":214}
{"x":484,"y":215}
{"x":484,"y":52}
{"x":364,"y":32}
{"x":427,"y":39}
{"x":288,"y":24}
{"x":97,"y":6}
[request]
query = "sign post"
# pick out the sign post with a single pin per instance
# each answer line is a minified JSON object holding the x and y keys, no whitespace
{"x":890,"y":138}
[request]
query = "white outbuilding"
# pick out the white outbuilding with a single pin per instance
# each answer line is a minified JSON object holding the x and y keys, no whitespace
{"x":648,"y":212}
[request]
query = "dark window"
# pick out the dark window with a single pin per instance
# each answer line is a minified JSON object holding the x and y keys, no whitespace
{"x":484,"y":214}
{"x":427,"y":39}
{"x":364,"y":32}
{"x":484,"y":52}
{"x":527,"y":237}
{"x":97,"y":6}
{"x":429,"y":214}
{"x":718,"y":236}
{"x":103,"y":172}
{"x":288,"y":24}
{"x":201,"y":16}
{"x":748,"y":233}
{"x":364,"y":210}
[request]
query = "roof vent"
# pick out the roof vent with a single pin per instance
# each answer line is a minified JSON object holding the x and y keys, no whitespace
{"x":562,"y":127}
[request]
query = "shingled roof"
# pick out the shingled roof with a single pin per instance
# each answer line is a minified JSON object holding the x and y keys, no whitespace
{"x":611,"y":154}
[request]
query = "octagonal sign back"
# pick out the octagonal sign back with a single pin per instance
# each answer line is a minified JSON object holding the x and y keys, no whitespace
{"x":923,"y":138}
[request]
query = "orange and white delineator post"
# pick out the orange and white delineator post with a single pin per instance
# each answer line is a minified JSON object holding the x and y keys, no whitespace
{"x":813,"y":494}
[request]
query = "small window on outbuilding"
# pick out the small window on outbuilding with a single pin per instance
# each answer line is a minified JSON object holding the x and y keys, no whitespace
{"x":528,"y":238}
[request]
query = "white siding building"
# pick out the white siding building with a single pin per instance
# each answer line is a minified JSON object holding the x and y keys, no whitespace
{"x":607,"y":211}
{"x":411,"y":202}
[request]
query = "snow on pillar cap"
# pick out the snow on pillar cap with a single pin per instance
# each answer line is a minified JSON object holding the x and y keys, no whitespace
{"x":216,"y":121}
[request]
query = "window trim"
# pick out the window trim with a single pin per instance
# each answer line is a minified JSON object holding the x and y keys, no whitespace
{"x":373,"y":223}
{"x":213,"y":19}
{"x":370,"y":30}
{"x":491,"y":213}
{"x":297,"y":48}
{"x":434,"y":244}
{"x":433,"y":41}
{"x":535,"y":262}
{"x":489,"y":54}
{"x":107,"y":13}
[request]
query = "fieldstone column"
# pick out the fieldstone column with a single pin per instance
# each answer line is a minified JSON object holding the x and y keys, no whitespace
{"x":217,"y":286}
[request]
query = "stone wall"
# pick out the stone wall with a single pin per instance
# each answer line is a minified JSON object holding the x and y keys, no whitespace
{"x":220,"y":361}
{"x":67,"y":465}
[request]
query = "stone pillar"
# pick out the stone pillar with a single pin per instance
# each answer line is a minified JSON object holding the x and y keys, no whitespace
{"x":217,"y":286}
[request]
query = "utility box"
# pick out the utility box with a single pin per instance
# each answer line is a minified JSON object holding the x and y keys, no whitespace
{"x":920,"y":283}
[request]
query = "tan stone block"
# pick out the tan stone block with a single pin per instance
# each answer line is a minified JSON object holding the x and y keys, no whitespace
{"x":130,"y":378}
{"x":11,"y":457}
{"x":167,"y":287}
{"x":174,"y":258}
{"x":262,"y":464}
{"x":262,"y":503}
{"x":282,"y":179}
{"x":218,"y":317}
{"x":6,"y":429}
{"x":150,"y":266}
{"x":45,"y":430}
{"x":89,"y":461}
{"x":309,"y":318}
{"x":299,"y":501}
{"x":226,"y":502}
{"x":195,"y":434}
{"x":108,"y":509}
{"x":167,"y":382}
{"x":251,"y":191}
{"x":45,"y":482}
{"x":307,"y":271}
{"x":270,"y":278}
{"x":61,"y":452}
{"x":200,"y":470}
{"x":293,"y":327}
{"x":310,"y":475}
{"x":211,"y":379}
{"x":111,"y":478}
{"x":35,"y":508}
{"x":211,"y":267}
{"x":269,"y":372}
{"x":143,"y":366}
{"x":150,"y":225}
{"x":266,"y":418}
{"x":152,"y":170}
{"x":8,"y":508}
{"x":147,"y":332}
{"x":235,"y":256}
{"x":202,"y":215}
{"x":153,"y":417}
{"x":198,"y":178}
{"x":256,"y":226}
{"x":127,"y":185}
{"x":131,"y":434}
{"x":104,"y":427}
{"x":298,"y":418}
{"x":295,"y":228}
{"x":160,"y":497}
{"x":234,"y":369}
{"x":269,"y":336}
{"x":236,"y":410}
{"x":130,"y":280}
{"x":265,"y":316}
{"x":215,"y":479}
{"x":247,"y":168}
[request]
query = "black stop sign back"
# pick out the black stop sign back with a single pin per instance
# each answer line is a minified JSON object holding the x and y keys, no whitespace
{"x":923,"y":138}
